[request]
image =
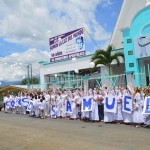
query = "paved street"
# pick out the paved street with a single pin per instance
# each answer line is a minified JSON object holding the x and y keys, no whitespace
{"x":19,"y":132}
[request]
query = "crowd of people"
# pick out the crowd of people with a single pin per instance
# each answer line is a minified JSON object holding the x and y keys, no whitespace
{"x":44,"y":100}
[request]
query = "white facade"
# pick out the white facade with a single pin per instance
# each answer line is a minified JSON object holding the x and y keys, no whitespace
{"x":128,"y":11}
{"x":63,"y":66}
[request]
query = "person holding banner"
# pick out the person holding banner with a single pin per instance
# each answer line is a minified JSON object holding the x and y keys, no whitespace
{"x":94,"y":114}
{"x":146,"y":109}
{"x":42,"y":107}
{"x":12,"y":104}
{"x":137,"y":108}
{"x":119,"y":97}
{"x":74,"y":106}
{"x":86,"y":96}
{"x":101,"y":105}
{"x":7,"y":104}
{"x":58,"y":104}
{"x":63,"y":98}
{"x":127,"y":106}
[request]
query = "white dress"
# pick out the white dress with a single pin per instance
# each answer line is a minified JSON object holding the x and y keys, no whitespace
{"x":118,"y":115}
{"x":58,"y":105}
{"x":94,"y":114}
{"x":74,"y":108}
{"x":137,"y":114}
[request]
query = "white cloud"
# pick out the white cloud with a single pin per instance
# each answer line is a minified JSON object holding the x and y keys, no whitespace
{"x":108,"y":3}
{"x":20,"y":20}
{"x":14,"y":67}
{"x":113,"y":14}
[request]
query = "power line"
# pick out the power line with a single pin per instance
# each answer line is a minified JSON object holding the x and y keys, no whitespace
{"x":90,"y":37}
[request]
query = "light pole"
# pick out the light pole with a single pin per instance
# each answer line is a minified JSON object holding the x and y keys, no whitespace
{"x":29,"y":70}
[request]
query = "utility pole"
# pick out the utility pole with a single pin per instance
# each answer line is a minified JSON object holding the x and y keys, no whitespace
{"x":28,"y":75}
{"x":31,"y":73}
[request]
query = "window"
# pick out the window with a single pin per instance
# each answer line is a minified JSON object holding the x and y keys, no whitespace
{"x":130,"y":52}
{"x":131,"y":64}
{"x":129,"y":40}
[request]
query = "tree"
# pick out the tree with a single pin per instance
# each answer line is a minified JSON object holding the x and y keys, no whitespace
{"x":34,"y":80}
{"x":105,"y":57}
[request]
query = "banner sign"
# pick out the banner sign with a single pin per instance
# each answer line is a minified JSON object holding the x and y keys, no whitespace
{"x":67,"y":45}
{"x":68,"y":106}
{"x":24,"y":101}
{"x":87,"y":104}
{"x":30,"y":106}
{"x":12,"y":103}
{"x":110,"y":104}
{"x":146,"y":109}
{"x":127,"y":104}
{"x":142,"y":46}
{"x":53,"y":111}
{"x":19,"y":102}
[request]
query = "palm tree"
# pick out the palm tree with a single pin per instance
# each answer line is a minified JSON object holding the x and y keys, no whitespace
{"x":106,"y":57}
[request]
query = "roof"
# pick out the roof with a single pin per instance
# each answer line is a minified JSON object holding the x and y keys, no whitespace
{"x":11,"y":88}
{"x":128,"y":11}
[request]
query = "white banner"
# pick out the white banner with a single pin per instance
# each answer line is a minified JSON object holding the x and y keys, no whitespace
{"x":127,"y":104}
{"x":30,"y":106}
{"x":110,"y":104}
{"x":24,"y":101}
{"x":68,"y":106}
{"x":12,"y":103}
{"x":87,"y":104}
{"x":53,"y":111}
{"x":18,"y":102}
{"x":146,"y":109}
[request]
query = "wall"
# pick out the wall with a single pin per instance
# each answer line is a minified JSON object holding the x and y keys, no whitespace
{"x":131,"y":63}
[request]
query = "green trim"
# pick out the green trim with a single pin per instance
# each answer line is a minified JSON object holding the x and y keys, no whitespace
{"x":66,"y":59}
{"x":42,"y":62}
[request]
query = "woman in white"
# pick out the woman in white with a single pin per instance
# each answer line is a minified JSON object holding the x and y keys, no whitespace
{"x":94,"y":114}
{"x":63,"y":98}
{"x":127,"y":117}
{"x":118,"y":115}
{"x":137,"y":108}
{"x":42,"y":107}
{"x":74,"y":106}
{"x":58,"y":105}
{"x":7,"y":104}
{"x":146,"y":116}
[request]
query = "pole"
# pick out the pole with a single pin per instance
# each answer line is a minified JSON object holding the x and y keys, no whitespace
{"x":28,"y":74}
{"x":31,"y":73}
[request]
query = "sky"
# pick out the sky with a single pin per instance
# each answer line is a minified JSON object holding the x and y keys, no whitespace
{"x":26,"y":26}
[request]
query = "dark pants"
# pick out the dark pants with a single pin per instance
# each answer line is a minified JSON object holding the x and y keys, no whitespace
{"x":101,"y":111}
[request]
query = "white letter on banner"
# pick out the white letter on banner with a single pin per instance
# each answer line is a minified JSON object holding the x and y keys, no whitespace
{"x":87,"y":104}
{"x":24,"y":101}
{"x":53,"y":111}
{"x":68,"y":106}
{"x":12,"y":103}
{"x":146,"y":109}
{"x":110,"y":104}
{"x":127,"y":104}
{"x":30,"y":106}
